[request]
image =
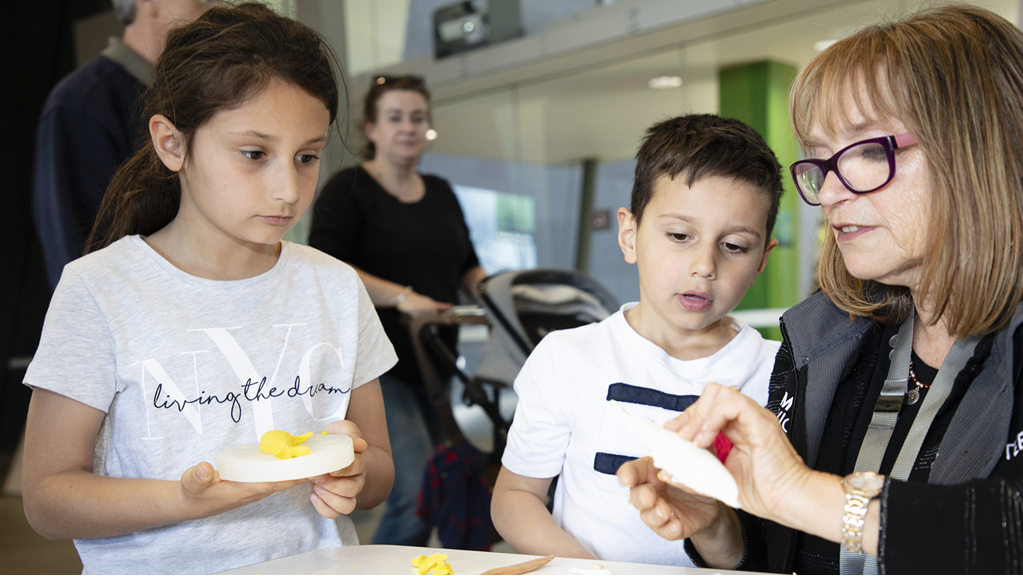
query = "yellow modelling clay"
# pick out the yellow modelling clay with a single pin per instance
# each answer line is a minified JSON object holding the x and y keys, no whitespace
{"x":283,"y":445}
{"x":435,"y":562}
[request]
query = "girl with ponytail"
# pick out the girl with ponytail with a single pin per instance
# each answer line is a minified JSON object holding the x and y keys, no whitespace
{"x":190,"y":326}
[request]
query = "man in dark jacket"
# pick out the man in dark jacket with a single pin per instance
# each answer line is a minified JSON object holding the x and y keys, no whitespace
{"x":91,"y":123}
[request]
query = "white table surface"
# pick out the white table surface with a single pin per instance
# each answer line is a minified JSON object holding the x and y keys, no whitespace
{"x":380,"y":559}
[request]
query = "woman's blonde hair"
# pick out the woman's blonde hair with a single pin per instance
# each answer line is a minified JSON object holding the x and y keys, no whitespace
{"x":954,"y":76}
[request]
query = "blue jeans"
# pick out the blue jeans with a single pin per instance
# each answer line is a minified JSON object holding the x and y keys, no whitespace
{"x":409,"y":423}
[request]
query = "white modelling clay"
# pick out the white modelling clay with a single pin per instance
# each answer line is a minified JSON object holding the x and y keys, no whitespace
{"x":593,"y":569}
{"x":690,"y":465}
{"x":247,"y":463}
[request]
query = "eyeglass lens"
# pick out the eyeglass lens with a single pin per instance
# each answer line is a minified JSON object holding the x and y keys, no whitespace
{"x":862,"y":168}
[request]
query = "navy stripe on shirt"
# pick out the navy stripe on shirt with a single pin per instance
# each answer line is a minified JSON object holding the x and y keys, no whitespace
{"x":606,"y":463}
{"x":650,"y":397}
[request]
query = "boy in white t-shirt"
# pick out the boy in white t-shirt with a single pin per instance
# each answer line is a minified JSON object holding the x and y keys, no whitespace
{"x":704,"y":202}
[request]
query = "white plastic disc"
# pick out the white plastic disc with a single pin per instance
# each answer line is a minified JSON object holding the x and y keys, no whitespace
{"x":247,"y":463}
{"x":691,"y":465}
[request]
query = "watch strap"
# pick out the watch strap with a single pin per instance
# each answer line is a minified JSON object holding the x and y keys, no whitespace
{"x":852,"y":521}
{"x":852,"y":559}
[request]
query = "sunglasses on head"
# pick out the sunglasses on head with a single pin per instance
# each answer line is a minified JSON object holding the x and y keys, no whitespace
{"x":412,"y":80}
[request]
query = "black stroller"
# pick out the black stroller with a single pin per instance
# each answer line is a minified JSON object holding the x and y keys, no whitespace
{"x":521,"y":307}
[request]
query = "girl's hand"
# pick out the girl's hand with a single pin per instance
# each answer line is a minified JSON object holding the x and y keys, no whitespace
{"x":772,"y":478}
{"x":335,"y":493}
{"x":416,"y":305}
{"x":204,"y":494}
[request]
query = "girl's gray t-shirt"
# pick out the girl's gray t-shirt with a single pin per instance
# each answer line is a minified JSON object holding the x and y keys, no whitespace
{"x":184,"y":367}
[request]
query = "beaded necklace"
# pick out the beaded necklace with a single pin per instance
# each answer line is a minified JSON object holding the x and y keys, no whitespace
{"x":913,"y":395}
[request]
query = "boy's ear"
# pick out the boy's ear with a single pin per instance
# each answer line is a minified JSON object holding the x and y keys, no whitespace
{"x":767,"y":252}
{"x":169,"y":143}
{"x":627,"y":230}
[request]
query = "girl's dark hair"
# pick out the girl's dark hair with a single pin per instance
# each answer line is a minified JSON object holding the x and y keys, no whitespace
{"x":380,"y":86}
{"x":224,"y":58}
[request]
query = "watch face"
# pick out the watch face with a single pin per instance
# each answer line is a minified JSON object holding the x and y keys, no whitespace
{"x":867,"y":481}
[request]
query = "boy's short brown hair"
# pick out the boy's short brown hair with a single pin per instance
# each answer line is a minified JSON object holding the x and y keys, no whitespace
{"x":701,"y":145}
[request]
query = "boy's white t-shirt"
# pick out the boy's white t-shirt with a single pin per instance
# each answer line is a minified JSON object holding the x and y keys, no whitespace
{"x":185,"y":367}
{"x":563,"y":425}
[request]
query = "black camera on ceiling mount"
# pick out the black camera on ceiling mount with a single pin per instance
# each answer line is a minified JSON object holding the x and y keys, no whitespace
{"x":467,"y":25}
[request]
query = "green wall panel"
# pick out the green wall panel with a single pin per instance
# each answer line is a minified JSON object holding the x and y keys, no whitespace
{"x":757,"y":93}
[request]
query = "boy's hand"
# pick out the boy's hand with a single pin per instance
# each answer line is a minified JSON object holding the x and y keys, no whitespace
{"x":204,"y":494}
{"x":670,"y":512}
{"x":674,"y":514}
{"x":335,"y":493}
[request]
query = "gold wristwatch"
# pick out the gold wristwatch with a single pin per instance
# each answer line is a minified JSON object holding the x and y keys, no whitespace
{"x":860,"y":489}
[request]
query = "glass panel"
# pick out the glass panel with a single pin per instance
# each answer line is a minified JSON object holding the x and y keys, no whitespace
{"x":501,"y":227}
{"x":375,"y":33}
{"x":530,"y":139}
{"x":602,"y":114}
{"x":477,"y":146}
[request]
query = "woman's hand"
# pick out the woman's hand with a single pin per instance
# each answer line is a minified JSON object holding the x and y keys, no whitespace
{"x":416,"y":305}
{"x":772,"y":479}
{"x":770,"y":474}
{"x":335,"y":493}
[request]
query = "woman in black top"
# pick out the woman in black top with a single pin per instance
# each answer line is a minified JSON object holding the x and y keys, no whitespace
{"x":406,"y":236}
{"x":893,"y":433}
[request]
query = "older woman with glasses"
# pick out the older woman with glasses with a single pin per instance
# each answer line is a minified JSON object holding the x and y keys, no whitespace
{"x":893,"y":435}
{"x":405,"y":234}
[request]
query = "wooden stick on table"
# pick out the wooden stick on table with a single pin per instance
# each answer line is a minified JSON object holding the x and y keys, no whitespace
{"x":523,"y":568}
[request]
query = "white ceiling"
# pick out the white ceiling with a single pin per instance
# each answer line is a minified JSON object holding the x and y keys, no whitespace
{"x":595,"y":103}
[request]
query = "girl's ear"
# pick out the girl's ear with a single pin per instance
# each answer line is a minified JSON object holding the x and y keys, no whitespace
{"x":168,"y":142}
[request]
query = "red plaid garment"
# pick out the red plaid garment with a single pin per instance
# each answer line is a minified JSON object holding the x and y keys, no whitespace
{"x":456,"y":499}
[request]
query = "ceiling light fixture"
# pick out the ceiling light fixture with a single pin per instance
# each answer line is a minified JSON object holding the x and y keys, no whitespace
{"x":664,"y":82}
{"x":822,"y":45}
{"x":431,"y":134}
